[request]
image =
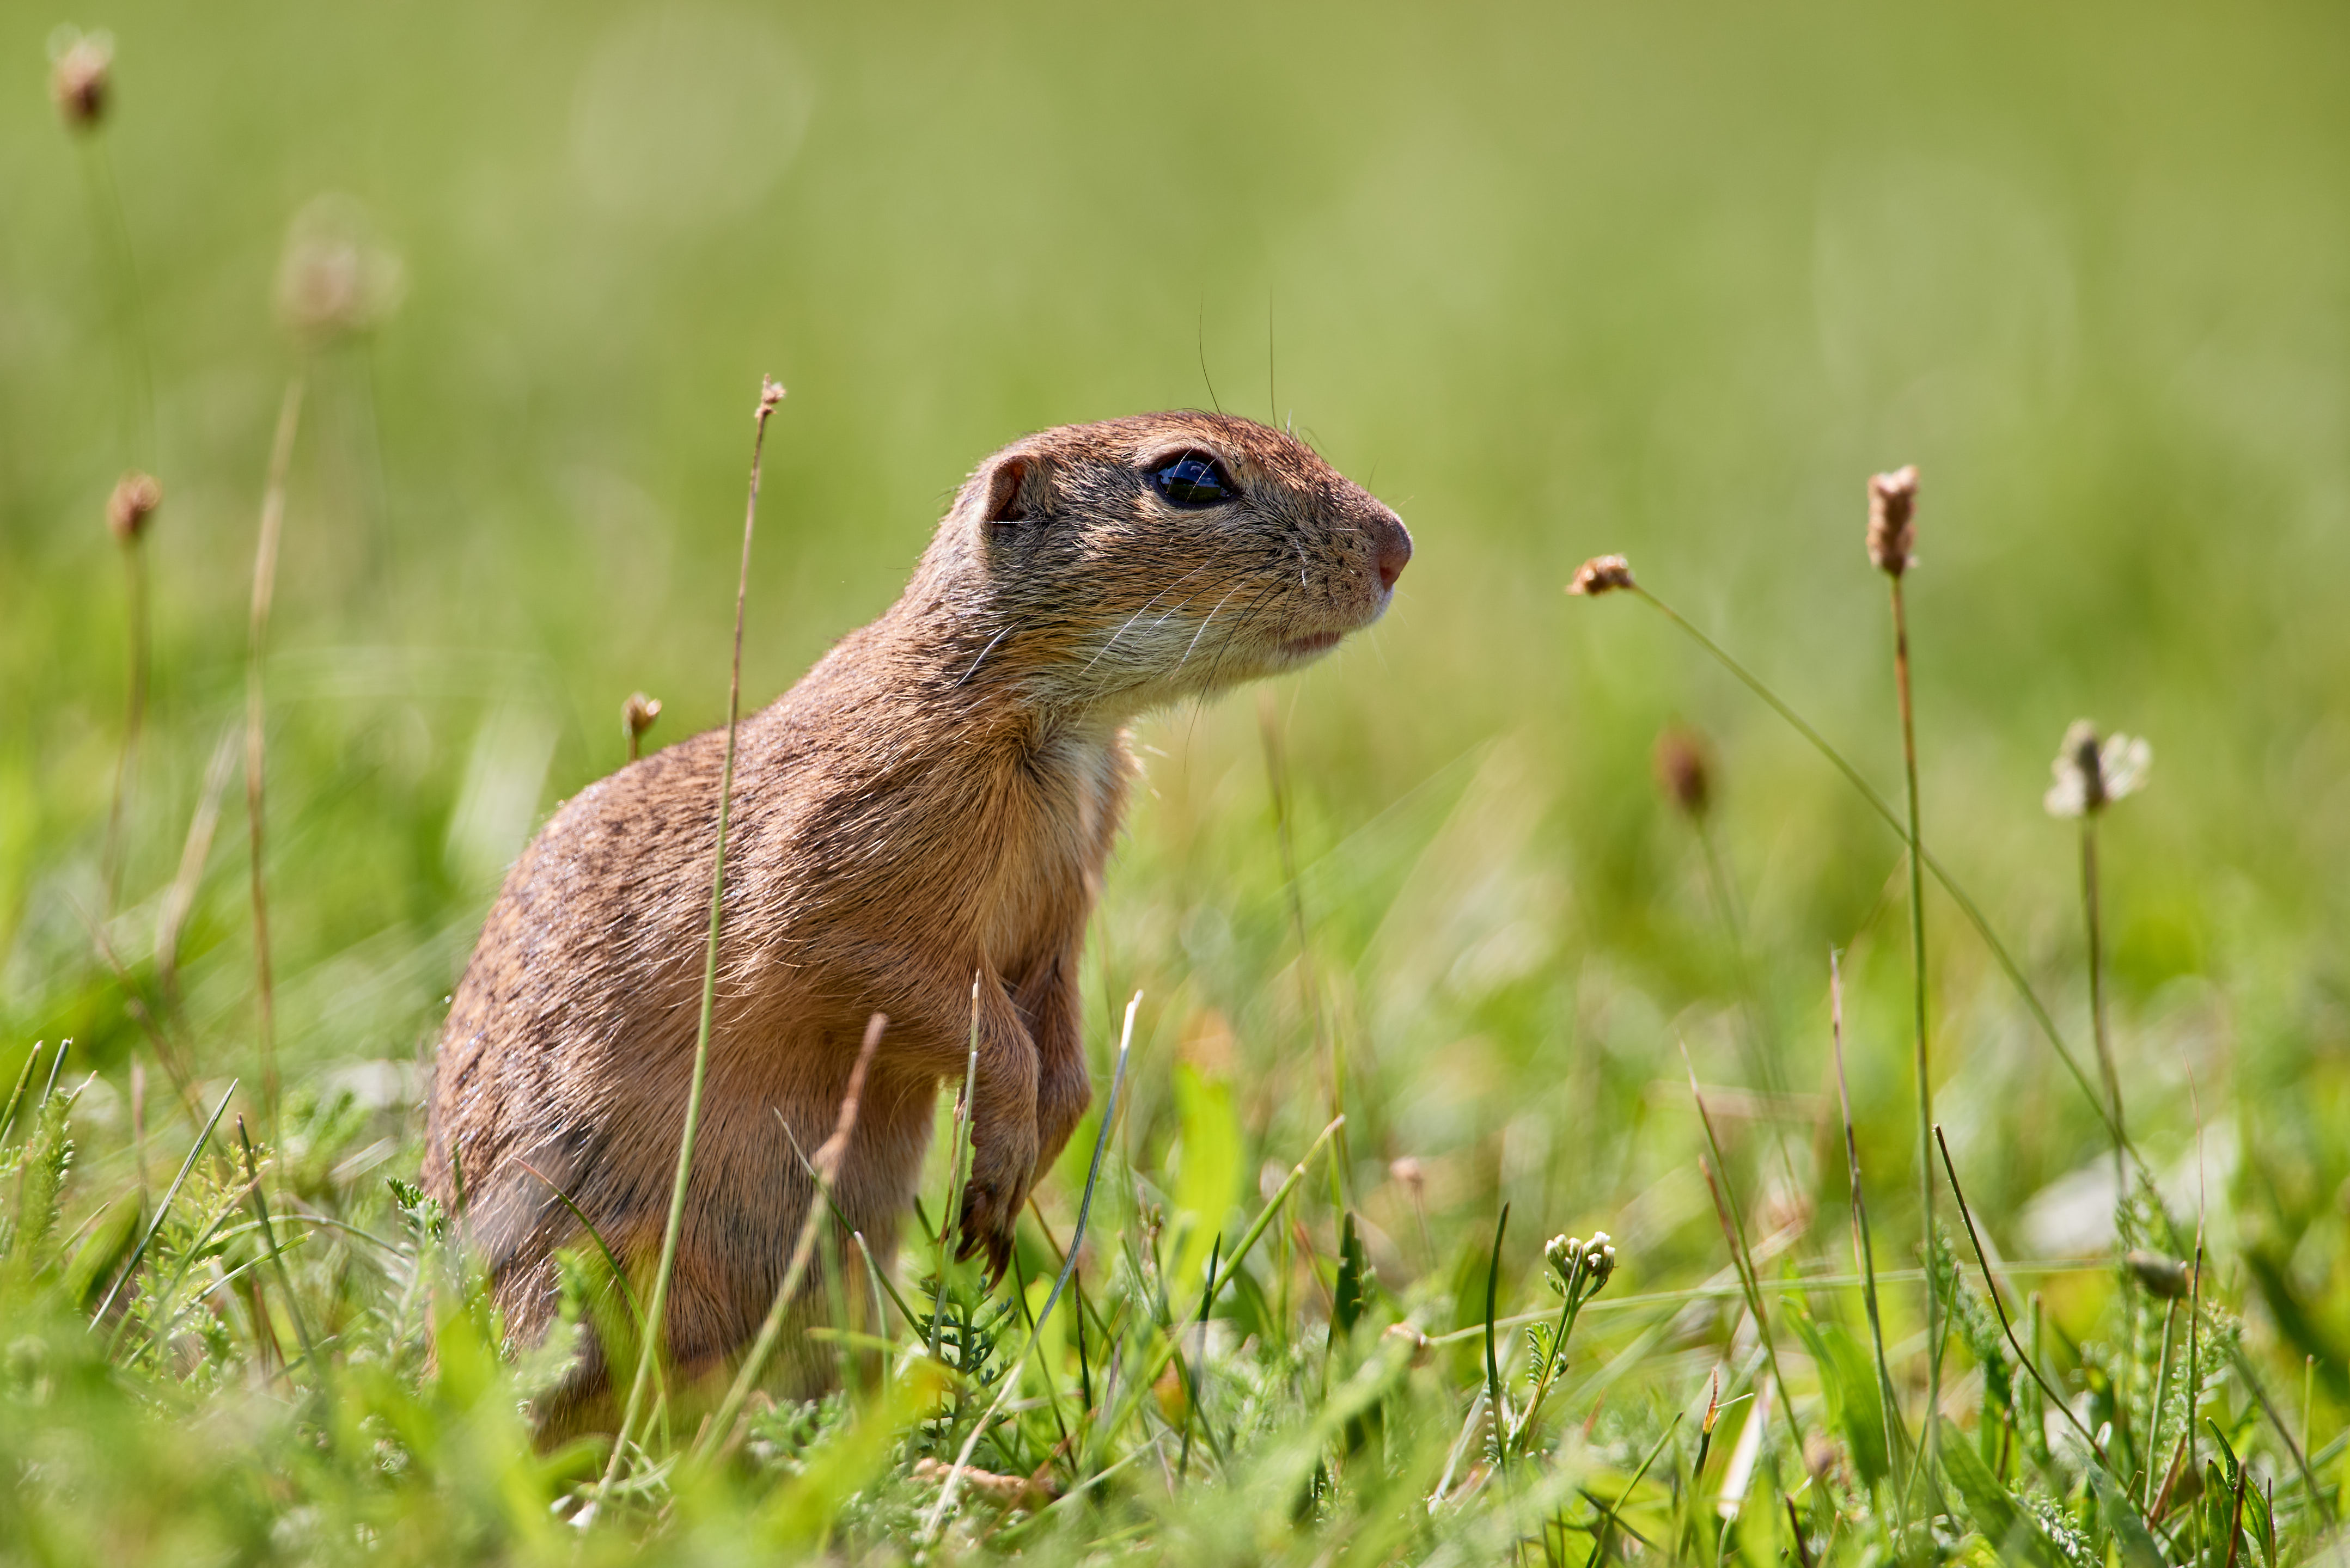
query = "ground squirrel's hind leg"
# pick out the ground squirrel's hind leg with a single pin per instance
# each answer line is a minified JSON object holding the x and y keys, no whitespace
{"x":1049,"y":999}
{"x":1003,"y":1129}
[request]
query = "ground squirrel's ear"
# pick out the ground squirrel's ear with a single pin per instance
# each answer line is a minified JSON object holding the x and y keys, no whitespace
{"x":1009,"y":494}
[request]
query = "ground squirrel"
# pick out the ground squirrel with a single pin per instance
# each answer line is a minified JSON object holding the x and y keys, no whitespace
{"x":933,"y":800}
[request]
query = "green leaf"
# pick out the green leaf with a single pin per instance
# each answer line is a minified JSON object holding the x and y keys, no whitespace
{"x":2260,"y":1523}
{"x":2139,"y":1548}
{"x":1354,"y":1279}
{"x":1849,"y":1379}
{"x":2003,"y":1521}
{"x":1208,"y":1178}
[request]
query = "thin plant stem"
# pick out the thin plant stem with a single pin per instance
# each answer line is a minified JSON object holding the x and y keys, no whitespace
{"x":134,"y":718}
{"x":827,"y":1162}
{"x":612,"y":1259}
{"x":276,"y":1259}
{"x":1930,"y":1445}
{"x":1862,"y":1246}
{"x":1999,"y":1304}
{"x":1086,"y":1308}
{"x":1327,"y":1044}
{"x":1493,"y":1358}
{"x":1958,"y":895}
{"x":1069,"y":1268}
{"x":2194,"y":1350}
{"x":2153,"y":1411}
{"x":265,"y":587}
{"x":1156,"y":1362}
{"x":1763,"y":1058}
{"x":2236,"y":1518}
{"x":139,"y":1128}
{"x":195,"y":852}
{"x":166,"y":1056}
{"x":1795,"y":1523}
{"x":656,"y":1319}
{"x":139,"y":1252}
{"x":16,"y":1095}
{"x":873,"y":1273}
{"x":138,"y":372}
{"x":56,"y":1067}
{"x":1599,"y":1544}
{"x":2091,"y":910}
{"x":1733,"y":1229}
{"x":950,"y":1212}
{"x":1191,"y":1403}
{"x":1577,"y":1292}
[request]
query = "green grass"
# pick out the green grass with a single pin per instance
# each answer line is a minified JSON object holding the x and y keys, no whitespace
{"x":1554,"y":281}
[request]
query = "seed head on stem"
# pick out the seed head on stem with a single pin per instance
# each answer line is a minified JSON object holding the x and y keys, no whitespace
{"x":2091,"y":774}
{"x":1892,"y":508}
{"x":636,"y":716}
{"x":136,"y":496}
{"x":82,"y":73}
{"x":1601,"y":575}
{"x":1892,"y":534}
{"x":1683,"y":772}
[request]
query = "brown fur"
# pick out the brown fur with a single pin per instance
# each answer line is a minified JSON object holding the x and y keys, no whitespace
{"x":934,"y":800}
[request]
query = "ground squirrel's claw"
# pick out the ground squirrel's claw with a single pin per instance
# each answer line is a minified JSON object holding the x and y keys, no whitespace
{"x":987,"y":1222}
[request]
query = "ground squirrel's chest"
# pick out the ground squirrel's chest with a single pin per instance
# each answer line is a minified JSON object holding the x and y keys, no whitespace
{"x":1061,"y":809}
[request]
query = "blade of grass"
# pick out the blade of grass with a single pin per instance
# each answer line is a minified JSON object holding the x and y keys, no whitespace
{"x":1191,"y":1404}
{"x":1991,"y":1287}
{"x":1156,"y":1362}
{"x":930,"y":1526}
{"x":656,"y":1321}
{"x":1028,"y":1321}
{"x":56,"y":1065}
{"x":276,"y":1259}
{"x":1863,"y":1245}
{"x":611,"y":1259}
{"x":138,"y":1253}
{"x":1599,"y":1544}
{"x":195,"y":852}
{"x":2092,"y":916}
{"x":135,"y":618}
{"x":1085,"y":1307}
{"x":1930,"y":1443}
{"x":1326,"y":1045}
{"x":1492,"y":1358}
{"x":17,"y":1095}
{"x":256,"y":734}
{"x":958,"y":1170}
{"x":166,"y":1057}
{"x":719,"y":1432}
{"x":1733,"y":1230}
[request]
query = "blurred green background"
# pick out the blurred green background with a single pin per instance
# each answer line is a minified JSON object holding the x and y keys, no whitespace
{"x":1552,"y":280}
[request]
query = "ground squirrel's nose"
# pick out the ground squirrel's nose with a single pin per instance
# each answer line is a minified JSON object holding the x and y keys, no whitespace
{"x":1394,"y":551}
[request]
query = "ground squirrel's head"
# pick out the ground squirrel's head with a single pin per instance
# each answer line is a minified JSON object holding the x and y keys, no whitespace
{"x":1138,"y":561}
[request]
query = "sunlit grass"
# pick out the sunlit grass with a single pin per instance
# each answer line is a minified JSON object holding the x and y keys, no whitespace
{"x":1553,"y":283}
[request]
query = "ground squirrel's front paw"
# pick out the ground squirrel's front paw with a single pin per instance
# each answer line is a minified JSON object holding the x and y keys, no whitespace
{"x":989,"y":1214}
{"x":1000,"y":1178}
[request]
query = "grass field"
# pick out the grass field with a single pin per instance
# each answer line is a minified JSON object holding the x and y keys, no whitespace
{"x":1554,"y":282}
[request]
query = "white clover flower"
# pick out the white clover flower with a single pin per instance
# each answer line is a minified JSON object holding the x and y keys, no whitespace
{"x":2091,"y":774}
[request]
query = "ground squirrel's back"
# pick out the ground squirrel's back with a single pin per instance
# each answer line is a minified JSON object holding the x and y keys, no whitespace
{"x":933,"y":800}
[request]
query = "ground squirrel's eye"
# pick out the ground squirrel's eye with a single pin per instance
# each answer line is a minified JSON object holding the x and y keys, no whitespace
{"x":1194,"y":479}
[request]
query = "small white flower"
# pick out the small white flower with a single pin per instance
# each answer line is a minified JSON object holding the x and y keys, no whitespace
{"x":2091,"y":774}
